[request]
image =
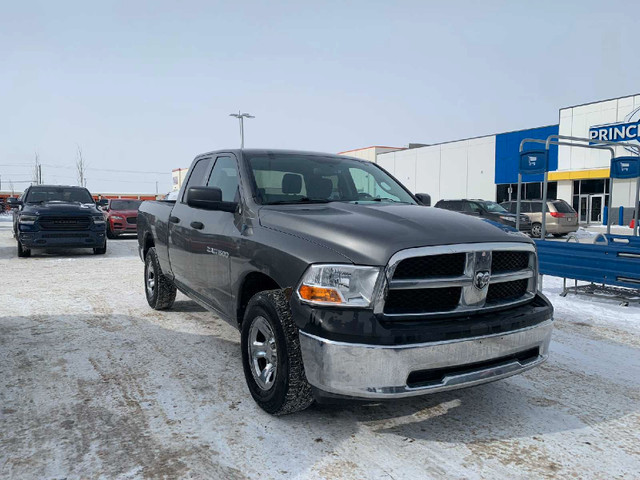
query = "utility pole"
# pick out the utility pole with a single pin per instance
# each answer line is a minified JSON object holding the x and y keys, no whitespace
{"x":241,"y":117}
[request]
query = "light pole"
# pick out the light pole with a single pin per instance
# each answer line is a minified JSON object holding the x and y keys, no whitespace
{"x":241,"y":117}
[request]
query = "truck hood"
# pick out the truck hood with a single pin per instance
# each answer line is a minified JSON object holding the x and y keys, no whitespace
{"x":60,"y":208}
{"x":371,"y":234}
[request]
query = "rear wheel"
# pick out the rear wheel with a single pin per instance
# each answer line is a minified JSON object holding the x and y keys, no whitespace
{"x":159,"y":290}
{"x":536,"y":230}
{"x":558,"y":235}
{"x":22,"y":251}
{"x":271,"y":355}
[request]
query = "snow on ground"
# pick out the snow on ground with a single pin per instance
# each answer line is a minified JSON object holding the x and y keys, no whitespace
{"x":97,"y":385}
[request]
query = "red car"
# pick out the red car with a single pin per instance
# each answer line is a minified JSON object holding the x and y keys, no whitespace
{"x":122,"y":216}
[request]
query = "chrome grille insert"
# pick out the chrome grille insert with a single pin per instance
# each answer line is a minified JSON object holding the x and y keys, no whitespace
{"x":494,"y":275}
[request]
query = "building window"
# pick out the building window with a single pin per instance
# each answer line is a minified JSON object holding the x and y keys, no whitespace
{"x":529,"y":191}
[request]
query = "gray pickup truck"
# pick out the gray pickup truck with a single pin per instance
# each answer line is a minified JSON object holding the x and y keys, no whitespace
{"x":343,"y":284}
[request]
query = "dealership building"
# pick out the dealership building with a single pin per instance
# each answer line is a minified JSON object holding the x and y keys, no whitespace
{"x":487,"y":167}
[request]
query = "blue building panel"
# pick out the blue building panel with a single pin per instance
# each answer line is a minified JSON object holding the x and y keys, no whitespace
{"x":508,"y":153}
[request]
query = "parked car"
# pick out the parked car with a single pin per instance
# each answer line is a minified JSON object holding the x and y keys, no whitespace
{"x":561,"y":217}
{"x":487,"y":210}
{"x":342,"y":283}
{"x":122,"y":216}
{"x":54,"y":216}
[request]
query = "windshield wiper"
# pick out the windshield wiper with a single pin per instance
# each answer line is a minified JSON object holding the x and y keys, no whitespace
{"x":299,"y":201}
{"x":380,"y":199}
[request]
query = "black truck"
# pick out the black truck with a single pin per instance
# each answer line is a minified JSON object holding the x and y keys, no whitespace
{"x":344,"y":285}
{"x":56,"y":216}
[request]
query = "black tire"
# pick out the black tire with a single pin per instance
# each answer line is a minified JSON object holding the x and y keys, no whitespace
{"x":22,"y":251}
{"x":100,"y":250}
{"x":558,"y":235}
{"x":290,"y":392}
{"x":110,"y":234}
{"x":162,"y":294}
{"x":536,"y":230}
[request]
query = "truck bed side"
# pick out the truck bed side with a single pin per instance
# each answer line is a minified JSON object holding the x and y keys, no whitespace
{"x":153,"y":229}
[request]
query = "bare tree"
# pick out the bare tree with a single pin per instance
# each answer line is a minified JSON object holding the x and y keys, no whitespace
{"x":81,"y":169}
{"x":11,"y":188}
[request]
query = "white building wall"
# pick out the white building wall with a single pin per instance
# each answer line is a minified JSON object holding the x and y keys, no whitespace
{"x":464,"y":169}
{"x":576,"y":121}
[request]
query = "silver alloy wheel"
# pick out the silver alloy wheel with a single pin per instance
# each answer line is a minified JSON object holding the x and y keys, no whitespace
{"x":536,"y":230}
{"x":151,"y":280}
{"x":263,"y":355}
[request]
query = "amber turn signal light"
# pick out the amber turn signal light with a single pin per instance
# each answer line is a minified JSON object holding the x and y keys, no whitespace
{"x":319,"y":294}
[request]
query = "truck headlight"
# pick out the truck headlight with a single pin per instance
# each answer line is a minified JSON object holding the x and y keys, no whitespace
{"x":27,"y":219}
{"x":339,"y":285}
{"x":98,"y":219}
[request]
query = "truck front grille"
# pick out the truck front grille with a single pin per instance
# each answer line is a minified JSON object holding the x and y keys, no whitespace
{"x":464,"y":278}
{"x":431,"y":266}
{"x":64,"y":223}
{"x":499,"y":292}
{"x":509,"y":261}
{"x":423,"y":300}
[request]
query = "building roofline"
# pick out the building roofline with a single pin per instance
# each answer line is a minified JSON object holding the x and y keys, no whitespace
{"x":371,"y":146}
{"x":480,"y":136}
{"x":600,"y":101}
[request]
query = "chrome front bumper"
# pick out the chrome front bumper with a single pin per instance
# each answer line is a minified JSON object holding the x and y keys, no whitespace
{"x":379,"y":371}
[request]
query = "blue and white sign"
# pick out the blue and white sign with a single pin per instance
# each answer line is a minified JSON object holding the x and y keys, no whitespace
{"x":625,"y":167}
{"x":533,"y":162}
{"x":625,"y":131}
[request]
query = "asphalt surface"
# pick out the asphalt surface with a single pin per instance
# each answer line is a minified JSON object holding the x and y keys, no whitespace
{"x":95,"y":384}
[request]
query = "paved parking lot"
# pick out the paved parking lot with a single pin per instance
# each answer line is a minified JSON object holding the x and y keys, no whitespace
{"x":94,"y":384}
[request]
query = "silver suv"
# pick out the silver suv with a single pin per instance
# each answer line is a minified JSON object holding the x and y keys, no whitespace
{"x":561,"y":217}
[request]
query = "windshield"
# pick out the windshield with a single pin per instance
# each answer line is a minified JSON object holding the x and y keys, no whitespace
{"x":298,"y":178}
{"x":493,"y":207}
{"x":125,"y":204}
{"x":58,"y":194}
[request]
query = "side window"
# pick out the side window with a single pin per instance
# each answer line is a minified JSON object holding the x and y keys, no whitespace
{"x":225,"y":176}
{"x":472,"y":207}
{"x":456,"y":206}
{"x":525,"y":207}
{"x":197,"y":177}
{"x":536,"y":207}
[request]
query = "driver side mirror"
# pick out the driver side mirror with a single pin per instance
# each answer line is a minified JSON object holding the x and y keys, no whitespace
{"x":103,"y":202}
{"x":209,"y":198}
{"x":424,"y":199}
{"x":13,"y":202}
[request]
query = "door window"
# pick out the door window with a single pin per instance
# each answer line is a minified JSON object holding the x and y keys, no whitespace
{"x":198,"y":176}
{"x":225,"y":176}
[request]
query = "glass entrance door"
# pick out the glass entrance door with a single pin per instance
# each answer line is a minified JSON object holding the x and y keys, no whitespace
{"x":583,"y":209}
{"x":596,"y":204}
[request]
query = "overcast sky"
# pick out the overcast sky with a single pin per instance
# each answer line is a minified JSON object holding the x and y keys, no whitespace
{"x":145,"y":86}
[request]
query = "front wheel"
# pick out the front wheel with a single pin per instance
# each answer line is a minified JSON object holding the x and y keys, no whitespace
{"x":536,"y":230}
{"x":271,"y":355}
{"x":22,"y":251}
{"x":110,"y":233}
{"x":159,"y":290}
{"x":100,"y":250}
